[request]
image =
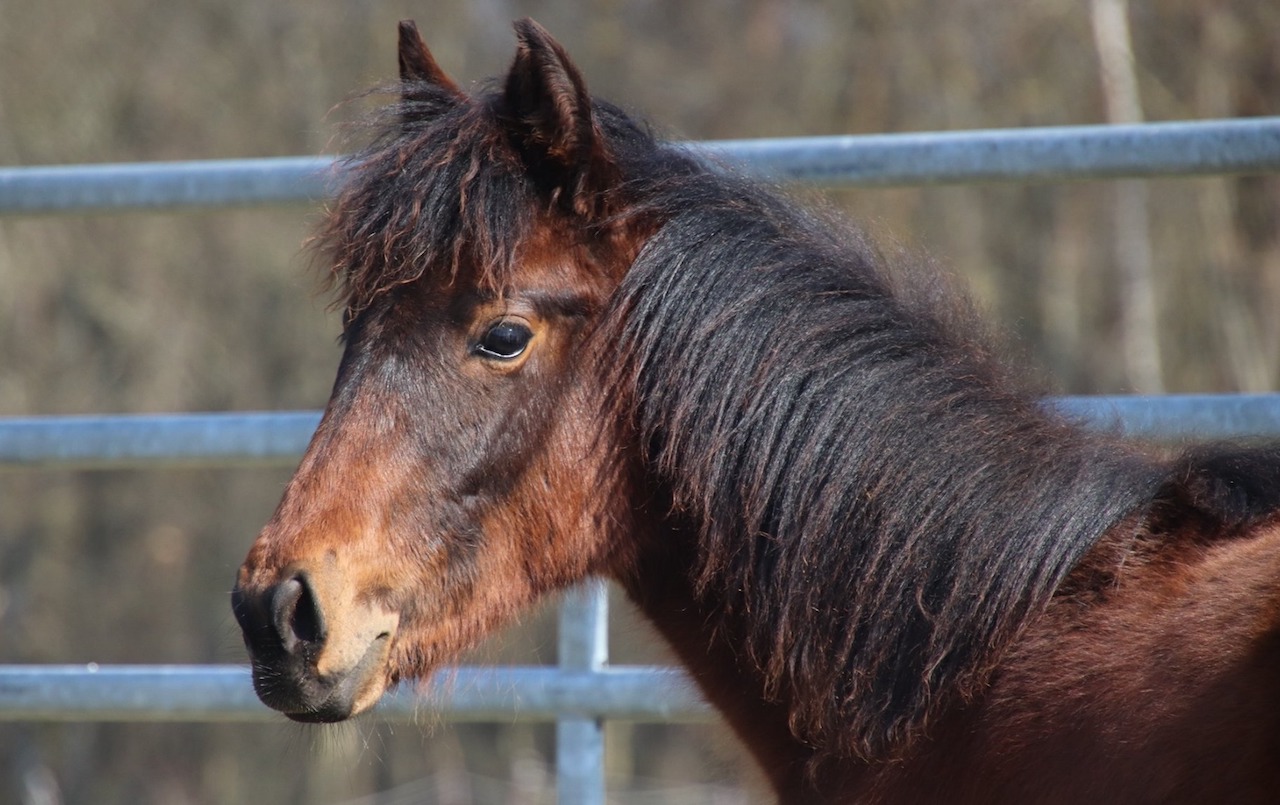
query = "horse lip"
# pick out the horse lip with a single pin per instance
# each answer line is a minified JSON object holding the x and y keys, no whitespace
{"x":296,"y":690}
{"x":328,"y":713}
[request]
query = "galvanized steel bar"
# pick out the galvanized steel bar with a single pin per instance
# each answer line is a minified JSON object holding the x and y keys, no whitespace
{"x":1180,"y":417}
{"x":1148,"y":150}
{"x":155,"y":440}
{"x":583,"y":642}
{"x":225,"y":693}
{"x":278,"y":438}
{"x":1184,"y":148}
{"x":165,"y":186}
{"x":583,"y":646}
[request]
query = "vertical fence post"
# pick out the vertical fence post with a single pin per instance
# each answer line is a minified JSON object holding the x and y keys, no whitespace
{"x":583,"y":646}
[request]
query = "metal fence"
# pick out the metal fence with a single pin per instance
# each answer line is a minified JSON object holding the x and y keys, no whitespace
{"x":583,"y":690}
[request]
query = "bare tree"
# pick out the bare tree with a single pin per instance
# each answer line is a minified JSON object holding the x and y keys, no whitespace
{"x":1140,"y":330}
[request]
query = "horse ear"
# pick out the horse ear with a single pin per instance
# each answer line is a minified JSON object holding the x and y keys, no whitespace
{"x":419,"y":67}
{"x":548,"y":110}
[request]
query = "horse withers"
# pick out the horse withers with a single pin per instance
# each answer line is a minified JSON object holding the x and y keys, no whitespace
{"x":572,"y":350}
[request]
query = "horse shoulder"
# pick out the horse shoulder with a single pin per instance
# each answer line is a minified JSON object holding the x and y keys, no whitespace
{"x":1155,"y":682}
{"x":1150,"y":677}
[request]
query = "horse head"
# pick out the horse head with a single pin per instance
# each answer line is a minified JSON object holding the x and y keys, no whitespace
{"x":455,"y":475}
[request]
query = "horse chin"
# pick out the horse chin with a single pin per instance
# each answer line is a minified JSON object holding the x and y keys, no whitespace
{"x":304,"y":694}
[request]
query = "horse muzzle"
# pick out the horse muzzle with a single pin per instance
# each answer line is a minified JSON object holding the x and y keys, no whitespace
{"x":316,"y":655}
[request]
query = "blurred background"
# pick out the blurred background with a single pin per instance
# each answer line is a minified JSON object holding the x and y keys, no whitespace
{"x":1169,"y":285}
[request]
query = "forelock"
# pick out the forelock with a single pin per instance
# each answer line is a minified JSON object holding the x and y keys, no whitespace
{"x":438,"y":191}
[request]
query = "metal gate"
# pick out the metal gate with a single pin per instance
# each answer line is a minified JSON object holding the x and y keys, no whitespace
{"x":584,"y":690}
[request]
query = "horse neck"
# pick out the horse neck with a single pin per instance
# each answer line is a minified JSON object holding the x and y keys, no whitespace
{"x":1221,"y":575}
{"x":660,"y":580}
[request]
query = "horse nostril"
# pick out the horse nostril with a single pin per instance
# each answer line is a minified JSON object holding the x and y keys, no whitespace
{"x":296,"y":614}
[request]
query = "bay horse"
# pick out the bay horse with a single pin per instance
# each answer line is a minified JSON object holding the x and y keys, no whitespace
{"x":573,"y":350}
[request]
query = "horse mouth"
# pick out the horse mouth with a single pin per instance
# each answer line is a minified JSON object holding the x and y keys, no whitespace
{"x":316,"y":656}
{"x":295,"y":687}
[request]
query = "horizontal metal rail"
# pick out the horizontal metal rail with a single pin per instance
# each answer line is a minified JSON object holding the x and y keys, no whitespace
{"x":1179,"y":417}
{"x":225,"y":693}
{"x":1153,"y":150}
{"x":165,"y":186}
{"x":1146,"y":150}
{"x":278,"y":438}
{"x":156,"y":440}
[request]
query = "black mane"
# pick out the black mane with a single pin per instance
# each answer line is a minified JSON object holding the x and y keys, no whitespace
{"x":879,"y":499}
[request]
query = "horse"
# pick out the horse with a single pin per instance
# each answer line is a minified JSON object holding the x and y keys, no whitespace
{"x":574,"y":350}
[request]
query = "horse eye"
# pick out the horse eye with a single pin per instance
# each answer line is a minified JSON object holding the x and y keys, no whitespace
{"x":504,"y":340}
